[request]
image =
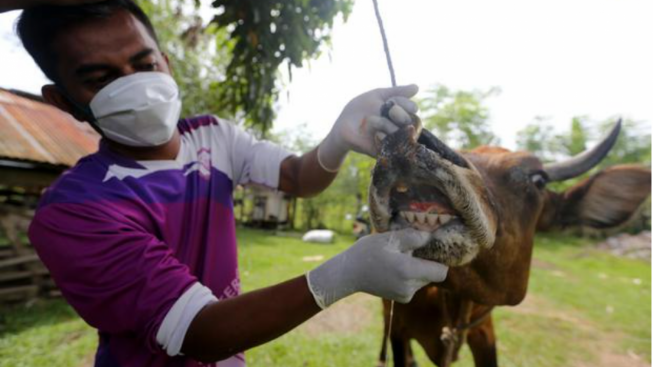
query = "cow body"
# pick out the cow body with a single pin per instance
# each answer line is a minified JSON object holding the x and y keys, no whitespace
{"x":431,"y":311}
{"x":494,"y":201}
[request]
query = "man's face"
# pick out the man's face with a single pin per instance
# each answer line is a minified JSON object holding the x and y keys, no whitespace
{"x":95,"y":53}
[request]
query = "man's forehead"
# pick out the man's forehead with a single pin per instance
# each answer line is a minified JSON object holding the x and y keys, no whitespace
{"x":102,"y":41}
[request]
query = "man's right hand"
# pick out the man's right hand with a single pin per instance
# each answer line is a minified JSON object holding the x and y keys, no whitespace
{"x":381,"y":265}
{"x":7,"y":5}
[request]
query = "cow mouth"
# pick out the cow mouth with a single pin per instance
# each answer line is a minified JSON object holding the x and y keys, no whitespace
{"x":427,"y":186}
{"x":423,"y":207}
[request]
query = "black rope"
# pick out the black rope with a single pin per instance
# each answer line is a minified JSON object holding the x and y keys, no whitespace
{"x":393,"y":80}
{"x":386,"y":48}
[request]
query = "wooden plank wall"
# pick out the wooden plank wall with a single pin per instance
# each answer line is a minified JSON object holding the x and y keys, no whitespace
{"x":22,"y":275}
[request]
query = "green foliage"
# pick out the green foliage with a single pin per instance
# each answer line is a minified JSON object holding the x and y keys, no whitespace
{"x":538,"y":138}
{"x":346,"y":195}
{"x":632,"y":146}
{"x":342,"y":200}
{"x":197,"y":63}
{"x":230,"y":66}
{"x":262,"y":36}
{"x":577,"y":139}
{"x":459,"y":118}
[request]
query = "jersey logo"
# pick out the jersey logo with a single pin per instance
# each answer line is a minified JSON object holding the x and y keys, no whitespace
{"x":204,"y":160}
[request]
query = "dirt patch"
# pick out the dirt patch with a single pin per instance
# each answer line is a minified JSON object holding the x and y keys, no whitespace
{"x":533,"y":305}
{"x":351,"y":315}
{"x":606,"y":358}
{"x":603,"y":345}
{"x":88,"y":361}
{"x":541,"y":264}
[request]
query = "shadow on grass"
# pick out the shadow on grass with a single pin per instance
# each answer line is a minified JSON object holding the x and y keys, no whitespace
{"x":17,"y":318}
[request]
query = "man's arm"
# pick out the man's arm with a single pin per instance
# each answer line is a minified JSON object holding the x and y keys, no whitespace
{"x":379,"y":265}
{"x":357,"y":128}
{"x":7,"y":5}
{"x":304,"y":176}
{"x":228,"y":327}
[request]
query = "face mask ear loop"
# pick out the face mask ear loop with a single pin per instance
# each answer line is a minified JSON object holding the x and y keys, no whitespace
{"x":84,"y":110}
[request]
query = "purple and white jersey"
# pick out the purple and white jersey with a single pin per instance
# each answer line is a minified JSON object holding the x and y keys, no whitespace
{"x":139,"y":247}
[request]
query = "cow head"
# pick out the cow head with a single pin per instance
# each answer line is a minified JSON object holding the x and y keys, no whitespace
{"x":484,"y":206}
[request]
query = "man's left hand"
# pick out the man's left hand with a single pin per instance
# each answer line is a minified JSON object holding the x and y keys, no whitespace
{"x":361,"y":120}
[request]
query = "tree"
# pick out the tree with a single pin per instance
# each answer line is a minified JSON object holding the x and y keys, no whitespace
{"x":233,"y":61}
{"x":537,"y":138}
{"x":346,"y":195}
{"x":633,"y":144}
{"x":576,"y":141}
{"x":459,"y":118}
{"x":197,"y":63}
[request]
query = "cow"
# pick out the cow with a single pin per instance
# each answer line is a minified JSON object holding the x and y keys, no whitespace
{"x":483,"y":208}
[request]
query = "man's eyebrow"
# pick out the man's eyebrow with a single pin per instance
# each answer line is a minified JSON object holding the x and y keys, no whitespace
{"x":90,"y":68}
{"x":146,"y":52}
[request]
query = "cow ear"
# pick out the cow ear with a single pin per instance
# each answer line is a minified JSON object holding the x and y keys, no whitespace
{"x":606,"y":199}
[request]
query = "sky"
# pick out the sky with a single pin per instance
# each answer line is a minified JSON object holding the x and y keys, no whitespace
{"x":556,"y":59}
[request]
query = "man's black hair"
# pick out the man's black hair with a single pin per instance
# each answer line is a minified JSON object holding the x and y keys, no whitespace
{"x":39,"y":26}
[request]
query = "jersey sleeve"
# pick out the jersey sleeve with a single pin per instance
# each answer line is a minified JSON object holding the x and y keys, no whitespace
{"x":118,"y":277}
{"x":253,"y":161}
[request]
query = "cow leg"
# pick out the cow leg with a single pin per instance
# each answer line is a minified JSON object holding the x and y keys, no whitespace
{"x":383,"y":355}
{"x":411,"y":362}
{"x":482,"y":342}
{"x":402,"y":354}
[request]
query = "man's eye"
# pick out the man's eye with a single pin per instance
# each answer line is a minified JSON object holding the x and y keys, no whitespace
{"x":99,"y":82}
{"x":148,"y":66}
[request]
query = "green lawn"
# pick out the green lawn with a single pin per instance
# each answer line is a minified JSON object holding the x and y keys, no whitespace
{"x":585,"y":308}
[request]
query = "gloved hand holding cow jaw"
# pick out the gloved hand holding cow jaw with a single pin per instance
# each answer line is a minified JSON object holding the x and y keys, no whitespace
{"x":379,"y":264}
{"x":361,"y":120}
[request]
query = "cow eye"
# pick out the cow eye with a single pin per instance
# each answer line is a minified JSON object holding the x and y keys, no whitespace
{"x":539,"y":179}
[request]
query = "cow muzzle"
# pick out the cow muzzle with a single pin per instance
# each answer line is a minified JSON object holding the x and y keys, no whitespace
{"x":423,"y":184}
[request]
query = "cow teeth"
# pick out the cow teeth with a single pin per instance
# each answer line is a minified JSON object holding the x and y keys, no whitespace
{"x":410,"y":216}
{"x":421,"y":217}
{"x":432,"y":219}
{"x":401,"y":187}
{"x":444,"y":218}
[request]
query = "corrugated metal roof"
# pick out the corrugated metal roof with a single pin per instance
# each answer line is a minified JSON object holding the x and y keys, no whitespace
{"x":37,"y":132}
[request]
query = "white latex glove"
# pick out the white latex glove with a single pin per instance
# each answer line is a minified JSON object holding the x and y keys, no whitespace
{"x":361,"y":119}
{"x":379,"y":264}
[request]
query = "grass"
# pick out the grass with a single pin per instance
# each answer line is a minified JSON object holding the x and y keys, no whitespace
{"x":582,"y":304}
{"x":47,"y":333}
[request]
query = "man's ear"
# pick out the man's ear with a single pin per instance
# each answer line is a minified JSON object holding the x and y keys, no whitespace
{"x":607,"y":199}
{"x":53,"y":95}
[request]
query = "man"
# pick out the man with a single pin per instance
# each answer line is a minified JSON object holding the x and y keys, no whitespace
{"x":140,"y":236}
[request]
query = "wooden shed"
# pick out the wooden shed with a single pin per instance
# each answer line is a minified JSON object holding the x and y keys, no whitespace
{"x":37,"y":143}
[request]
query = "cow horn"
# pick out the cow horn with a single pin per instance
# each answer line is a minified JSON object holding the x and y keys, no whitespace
{"x":433,"y":143}
{"x":584,"y":161}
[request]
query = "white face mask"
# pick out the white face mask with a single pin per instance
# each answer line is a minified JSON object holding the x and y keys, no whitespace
{"x":139,"y":110}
